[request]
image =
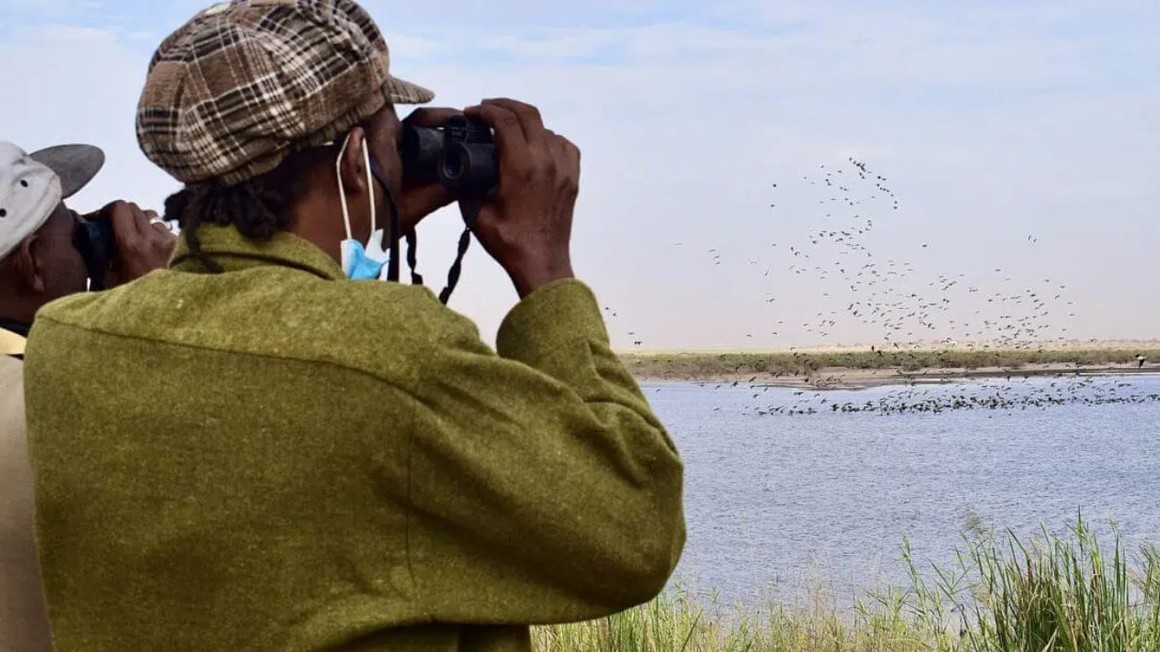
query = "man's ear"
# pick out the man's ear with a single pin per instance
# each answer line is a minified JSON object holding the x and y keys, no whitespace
{"x":353,"y":165}
{"x":28,"y":268}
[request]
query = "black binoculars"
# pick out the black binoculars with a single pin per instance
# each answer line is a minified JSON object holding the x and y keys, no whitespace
{"x":93,"y":238}
{"x":461,"y":154}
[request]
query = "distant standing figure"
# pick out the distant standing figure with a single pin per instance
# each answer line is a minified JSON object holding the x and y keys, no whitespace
{"x":1140,"y":360}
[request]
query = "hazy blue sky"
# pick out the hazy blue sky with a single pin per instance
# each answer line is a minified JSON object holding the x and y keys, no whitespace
{"x":1022,"y":137}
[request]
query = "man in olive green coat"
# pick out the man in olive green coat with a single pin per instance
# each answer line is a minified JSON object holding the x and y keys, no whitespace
{"x":252,"y":451}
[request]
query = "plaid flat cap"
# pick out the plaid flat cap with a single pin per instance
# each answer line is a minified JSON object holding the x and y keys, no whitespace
{"x":243,"y":84}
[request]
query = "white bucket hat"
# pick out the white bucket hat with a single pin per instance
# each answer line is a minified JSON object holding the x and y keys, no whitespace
{"x":32,"y":185}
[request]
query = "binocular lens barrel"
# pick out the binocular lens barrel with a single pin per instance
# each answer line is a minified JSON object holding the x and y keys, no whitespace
{"x":421,"y":151}
{"x":470,"y":169}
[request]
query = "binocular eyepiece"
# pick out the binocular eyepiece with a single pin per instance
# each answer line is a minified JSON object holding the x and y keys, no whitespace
{"x":461,"y":154}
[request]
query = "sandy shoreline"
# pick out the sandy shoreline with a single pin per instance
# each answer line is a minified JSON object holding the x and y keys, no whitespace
{"x":1100,"y":345}
{"x":837,"y":378}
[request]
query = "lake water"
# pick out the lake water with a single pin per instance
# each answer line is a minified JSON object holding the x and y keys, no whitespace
{"x":785,"y":500}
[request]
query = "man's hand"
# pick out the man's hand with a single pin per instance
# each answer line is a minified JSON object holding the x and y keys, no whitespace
{"x":143,"y":244}
{"x":527,"y":226}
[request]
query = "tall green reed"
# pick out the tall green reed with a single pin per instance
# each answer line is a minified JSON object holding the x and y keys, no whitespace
{"x":1048,"y":593}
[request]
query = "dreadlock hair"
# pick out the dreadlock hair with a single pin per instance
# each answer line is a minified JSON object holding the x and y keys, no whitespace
{"x":258,"y":207}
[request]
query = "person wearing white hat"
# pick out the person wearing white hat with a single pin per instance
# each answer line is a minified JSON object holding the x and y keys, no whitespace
{"x":39,"y":262}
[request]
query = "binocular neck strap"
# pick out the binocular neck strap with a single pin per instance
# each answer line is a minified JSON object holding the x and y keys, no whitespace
{"x":393,"y":262}
{"x":413,"y":243}
{"x":456,"y":267}
{"x":413,"y":258}
{"x":470,"y":215}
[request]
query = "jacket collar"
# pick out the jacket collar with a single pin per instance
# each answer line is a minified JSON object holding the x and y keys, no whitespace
{"x":235,"y":252}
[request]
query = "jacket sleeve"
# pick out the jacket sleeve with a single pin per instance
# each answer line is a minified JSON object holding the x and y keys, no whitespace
{"x":543,"y":488}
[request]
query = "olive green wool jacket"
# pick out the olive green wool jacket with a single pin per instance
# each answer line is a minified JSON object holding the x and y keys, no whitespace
{"x":276,"y":458}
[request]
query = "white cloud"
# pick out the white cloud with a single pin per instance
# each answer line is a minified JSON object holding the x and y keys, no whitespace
{"x":81,"y":85}
{"x":550,"y":44}
{"x":54,"y":8}
{"x":413,"y":47}
{"x":67,"y":33}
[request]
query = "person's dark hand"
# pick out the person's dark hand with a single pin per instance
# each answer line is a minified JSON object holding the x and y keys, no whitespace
{"x":420,"y":199}
{"x":143,"y":243}
{"x":527,"y":225}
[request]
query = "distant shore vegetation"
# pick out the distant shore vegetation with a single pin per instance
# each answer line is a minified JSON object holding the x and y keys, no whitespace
{"x":767,"y":366}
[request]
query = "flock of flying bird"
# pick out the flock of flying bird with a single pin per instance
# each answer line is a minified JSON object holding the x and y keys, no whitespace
{"x":891,"y":298}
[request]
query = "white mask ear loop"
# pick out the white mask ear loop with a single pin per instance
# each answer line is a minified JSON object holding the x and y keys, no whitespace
{"x":370,"y":188}
{"x":342,"y":191}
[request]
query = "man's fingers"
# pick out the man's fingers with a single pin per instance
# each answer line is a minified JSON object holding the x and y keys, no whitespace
{"x":530,"y":119}
{"x":431,"y":116}
{"x":129,"y":219}
{"x":564,"y":152}
{"x":566,"y":158}
{"x":555,"y":146}
{"x":509,"y":134}
{"x":124,"y":223}
{"x":144,"y":241}
{"x":140,"y":219}
{"x":572,"y":154}
{"x":555,"y":143}
{"x":134,"y":228}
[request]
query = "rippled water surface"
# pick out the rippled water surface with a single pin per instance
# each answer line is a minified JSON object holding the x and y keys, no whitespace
{"x":780,"y":499}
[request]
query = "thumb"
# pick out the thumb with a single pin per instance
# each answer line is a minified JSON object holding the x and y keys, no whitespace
{"x":425,"y":200}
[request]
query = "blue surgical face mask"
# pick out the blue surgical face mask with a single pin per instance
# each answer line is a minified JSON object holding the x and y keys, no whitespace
{"x":361,"y":262}
{"x":378,"y":259}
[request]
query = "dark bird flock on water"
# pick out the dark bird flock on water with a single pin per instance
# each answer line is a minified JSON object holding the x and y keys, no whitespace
{"x":1002,"y":396}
